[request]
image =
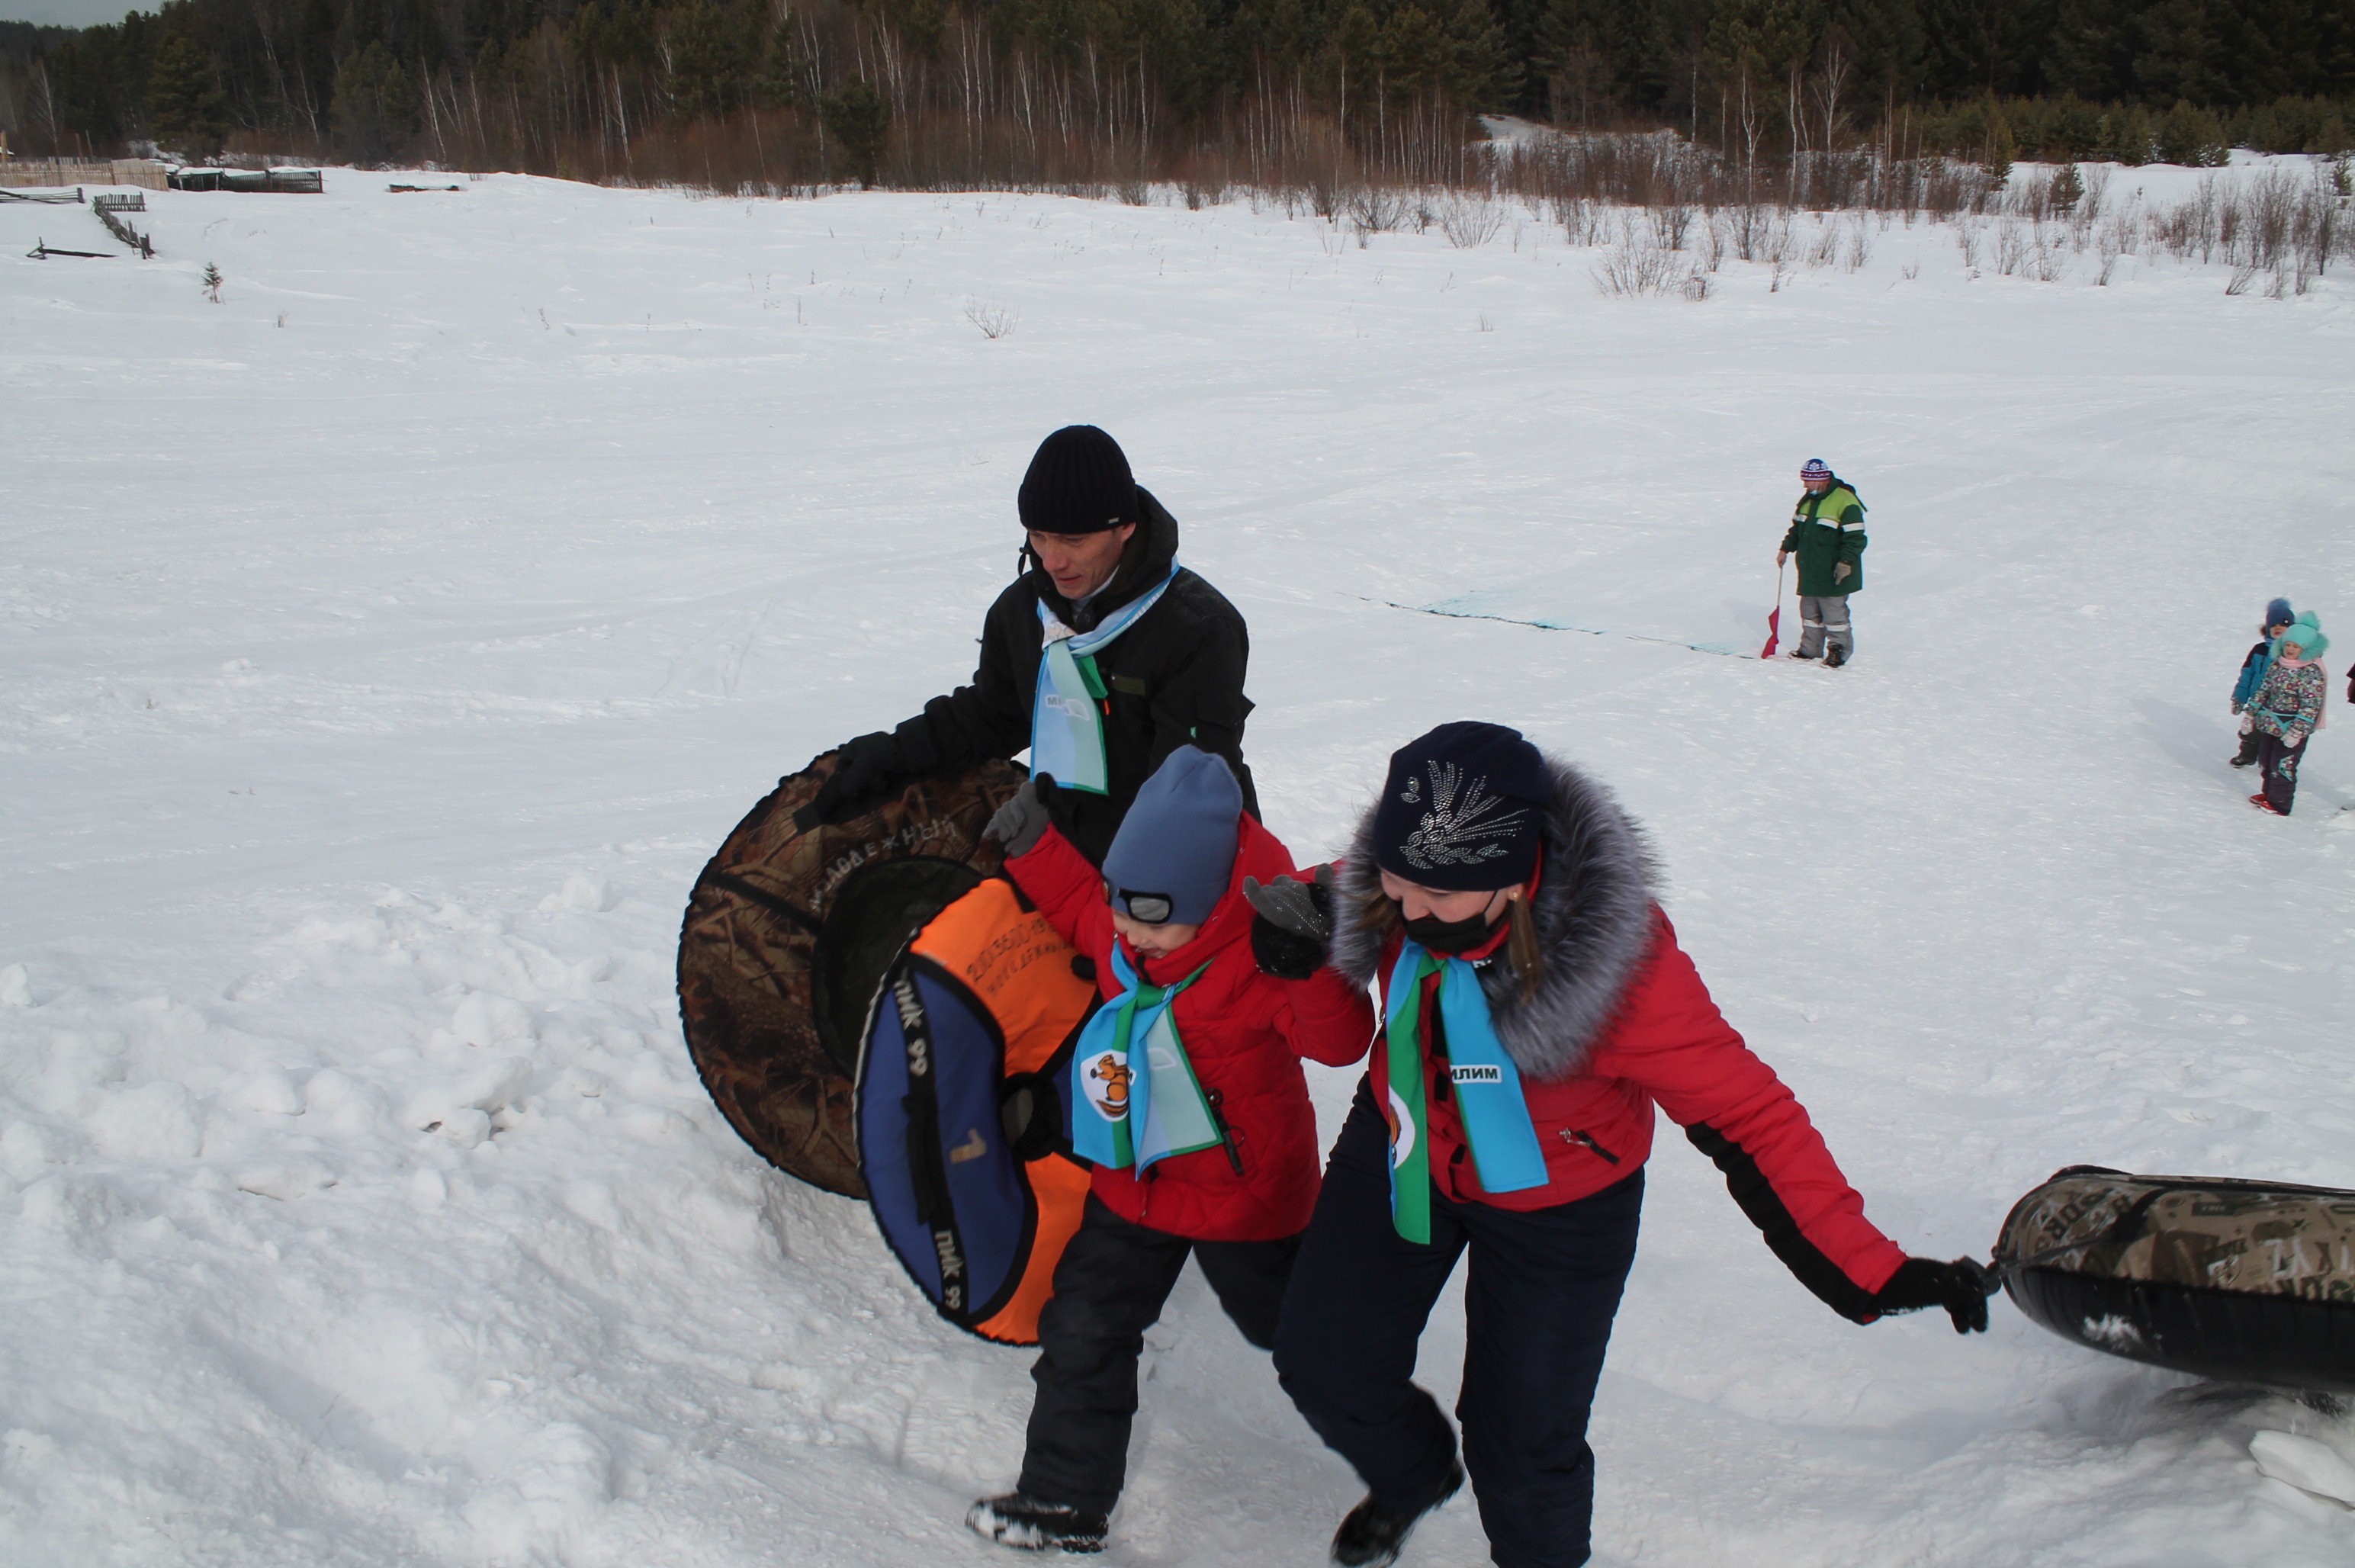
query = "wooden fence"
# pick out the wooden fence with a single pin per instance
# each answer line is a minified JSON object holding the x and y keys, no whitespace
{"x":142,"y":172}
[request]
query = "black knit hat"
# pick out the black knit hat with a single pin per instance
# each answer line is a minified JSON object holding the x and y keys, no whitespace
{"x":1079,"y":483}
{"x":1463,"y":808}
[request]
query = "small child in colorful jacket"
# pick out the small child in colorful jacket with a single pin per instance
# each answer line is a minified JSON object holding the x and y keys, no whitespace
{"x":2289,"y":708}
{"x":2252,"y":676}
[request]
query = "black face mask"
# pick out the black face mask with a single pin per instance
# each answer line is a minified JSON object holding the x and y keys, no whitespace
{"x":1456,"y":935}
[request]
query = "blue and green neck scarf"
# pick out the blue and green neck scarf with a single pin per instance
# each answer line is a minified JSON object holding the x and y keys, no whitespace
{"x":1131,"y":1068}
{"x":1487,"y":1085}
{"x":1067,"y":736}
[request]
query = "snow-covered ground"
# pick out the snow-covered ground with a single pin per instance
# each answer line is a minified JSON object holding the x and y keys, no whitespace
{"x":386,"y":645}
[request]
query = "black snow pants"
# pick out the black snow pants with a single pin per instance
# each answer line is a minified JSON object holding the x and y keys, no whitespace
{"x":1543,"y":1289}
{"x":1109,"y":1288}
{"x":2279,"y":764}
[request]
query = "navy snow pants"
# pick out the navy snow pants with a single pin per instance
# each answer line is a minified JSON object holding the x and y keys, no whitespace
{"x":2278,"y":763}
{"x":1543,"y":1288}
{"x":1110,"y":1286}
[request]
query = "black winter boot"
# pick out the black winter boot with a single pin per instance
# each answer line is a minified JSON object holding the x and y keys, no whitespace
{"x":1371,"y":1536}
{"x":1029,"y":1525}
{"x":1837,"y":656}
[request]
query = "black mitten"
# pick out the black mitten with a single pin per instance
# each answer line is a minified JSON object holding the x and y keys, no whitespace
{"x":1292,"y":924}
{"x":1961,"y":1287}
{"x":866,"y":767}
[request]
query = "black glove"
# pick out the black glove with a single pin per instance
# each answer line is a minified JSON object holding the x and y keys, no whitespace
{"x":1961,"y":1287}
{"x":1292,"y":924}
{"x":862,"y":770}
{"x":1020,"y":822}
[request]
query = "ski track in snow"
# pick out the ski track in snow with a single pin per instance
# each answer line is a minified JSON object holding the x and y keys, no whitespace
{"x":387,"y":647}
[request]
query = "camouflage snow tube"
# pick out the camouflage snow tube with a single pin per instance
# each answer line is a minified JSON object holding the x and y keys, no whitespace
{"x":787,"y":935}
{"x":2249,"y":1281}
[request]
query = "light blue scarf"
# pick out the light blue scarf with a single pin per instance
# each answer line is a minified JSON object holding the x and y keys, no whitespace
{"x":1134,"y":1096}
{"x":1066,"y":720}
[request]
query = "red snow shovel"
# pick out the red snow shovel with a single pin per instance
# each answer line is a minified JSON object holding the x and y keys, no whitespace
{"x":1774,"y":621}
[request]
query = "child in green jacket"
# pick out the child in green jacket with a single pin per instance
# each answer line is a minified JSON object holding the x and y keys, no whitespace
{"x":1827,"y":535}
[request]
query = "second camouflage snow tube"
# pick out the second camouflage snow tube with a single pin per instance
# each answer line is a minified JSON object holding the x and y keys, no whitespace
{"x":2247,"y":1280}
{"x":787,"y":934}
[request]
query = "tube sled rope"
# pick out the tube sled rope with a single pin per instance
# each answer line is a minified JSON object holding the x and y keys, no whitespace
{"x":962,"y":1131}
{"x":2249,"y":1281}
{"x":787,"y":933}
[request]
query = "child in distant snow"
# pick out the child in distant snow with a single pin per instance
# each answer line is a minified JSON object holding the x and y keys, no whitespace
{"x":2289,"y":708}
{"x":2252,"y":676}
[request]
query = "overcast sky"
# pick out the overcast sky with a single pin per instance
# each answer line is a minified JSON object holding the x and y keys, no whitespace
{"x":69,"y":13}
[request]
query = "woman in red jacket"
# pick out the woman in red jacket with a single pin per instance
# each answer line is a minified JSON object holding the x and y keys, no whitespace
{"x":1187,"y":1095}
{"x":1536,"y":1007}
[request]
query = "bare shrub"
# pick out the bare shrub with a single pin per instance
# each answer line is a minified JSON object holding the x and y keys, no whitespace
{"x":995,"y":320}
{"x":1377,"y":210}
{"x":2048,"y":257}
{"x":2011,"y":245}
{"x":2242,"y":278}
{"x":1746,"y":228}
{"x":1825,"y":248}
{"x":1469,"y":220}
{"x":1860,"y":246}
{"x":1671,"y":222}
{"x":2095,"y":200}
{"x":1712,"y":244}
{"x":1583,"y":221}
{"x":1632,"y":268}
{"x":1966,"y":240}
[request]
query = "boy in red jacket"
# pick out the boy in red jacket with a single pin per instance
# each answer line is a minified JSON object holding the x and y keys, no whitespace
{"x":1188,"y":1094}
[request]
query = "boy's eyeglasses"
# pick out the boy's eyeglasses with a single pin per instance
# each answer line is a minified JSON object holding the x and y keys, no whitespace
{"x":1153,"y":909}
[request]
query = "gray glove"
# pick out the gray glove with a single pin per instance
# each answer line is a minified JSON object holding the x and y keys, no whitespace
{"x":1020,"y":822}
{"x":1292,"y":928}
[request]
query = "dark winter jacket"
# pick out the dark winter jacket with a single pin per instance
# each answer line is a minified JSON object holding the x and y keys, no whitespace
{"x":2252,"y":673}
{"x":1244,"y":1033}
{"x":1176,"y":678}
{"x":1621,"y":1023}
{"x":1827,"y":531}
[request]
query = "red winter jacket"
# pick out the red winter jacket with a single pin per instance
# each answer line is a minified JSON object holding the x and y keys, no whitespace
{"x":1622,"y":1022}
{"x":1244,"y":1033}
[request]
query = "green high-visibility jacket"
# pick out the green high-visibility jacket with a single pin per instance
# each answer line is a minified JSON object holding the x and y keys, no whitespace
{"x":1826,"y":530}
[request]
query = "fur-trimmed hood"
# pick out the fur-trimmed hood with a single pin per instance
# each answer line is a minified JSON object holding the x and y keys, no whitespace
{"x":1594,"y":909}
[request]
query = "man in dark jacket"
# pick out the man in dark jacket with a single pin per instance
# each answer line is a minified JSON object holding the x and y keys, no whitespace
{"x":1140,"y":656}
{"x":1827,"y":535}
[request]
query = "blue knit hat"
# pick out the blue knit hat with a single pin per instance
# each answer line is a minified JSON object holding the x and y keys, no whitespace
{"x":2306,"y":632}
{"x":2276,"y":614}
{"x":1463,"y":808}
{"x":1174,"y":852}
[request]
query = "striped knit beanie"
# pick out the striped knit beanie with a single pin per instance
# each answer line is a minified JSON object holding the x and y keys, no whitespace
{"x":1816,"y":468}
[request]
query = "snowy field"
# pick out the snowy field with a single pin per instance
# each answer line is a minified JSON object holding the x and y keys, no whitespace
{"x":386,"y":645}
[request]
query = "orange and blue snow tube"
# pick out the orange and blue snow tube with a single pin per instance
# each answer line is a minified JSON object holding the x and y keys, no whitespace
{"x":963,"y":1137}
